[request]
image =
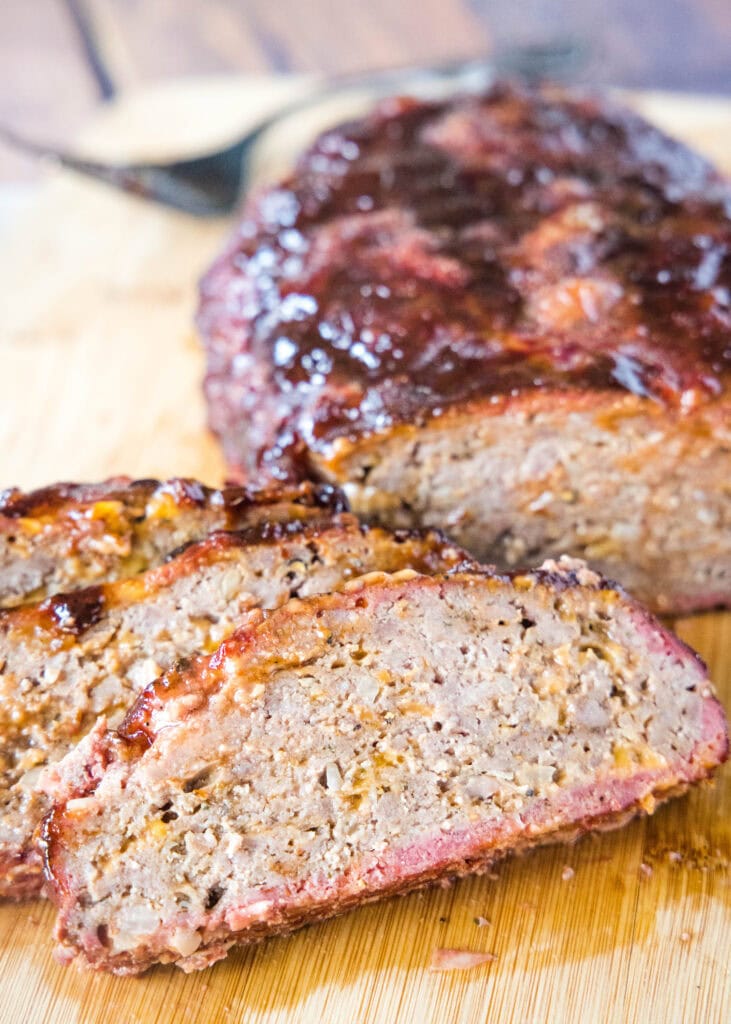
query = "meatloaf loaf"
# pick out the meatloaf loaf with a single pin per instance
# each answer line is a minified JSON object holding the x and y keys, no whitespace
{"x":89,"y":652}
{"x":508,"y":315}
{"x":71,"y":535}
{"x":363,"y":743}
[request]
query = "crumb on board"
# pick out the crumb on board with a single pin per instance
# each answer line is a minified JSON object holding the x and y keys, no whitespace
{"x":481,"y":922}
{"x":458,"y":959}
{"x":699,"y":854}
{"x":567,"y":874}
{"x":645,"y":870}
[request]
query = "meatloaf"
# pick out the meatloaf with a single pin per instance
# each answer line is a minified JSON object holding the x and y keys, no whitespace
{"x":359,"y":744}
{"x":508,"y":315}
{"x":89,"y":652}
{"x":71,"y":535}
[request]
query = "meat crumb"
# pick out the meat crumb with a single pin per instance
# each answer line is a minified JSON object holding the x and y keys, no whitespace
{"x":482,"y":922}
{"x":674,"y":857}
{"x":645,"y":870}
{"x":567,"y":874}
{"x":458,"y":959}
{"x":685,"y":936}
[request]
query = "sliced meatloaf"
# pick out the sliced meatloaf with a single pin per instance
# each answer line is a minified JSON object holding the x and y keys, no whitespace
{"x":508,"y":315}
{"x":71,"y":535}
{"x":89,"y":652}
{"x":359,"y":744}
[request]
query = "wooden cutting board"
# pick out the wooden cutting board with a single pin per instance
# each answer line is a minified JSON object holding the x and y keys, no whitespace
{"x":100,"y":373}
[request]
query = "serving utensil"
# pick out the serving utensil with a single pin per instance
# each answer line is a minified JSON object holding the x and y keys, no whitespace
{"x":213,"y":183}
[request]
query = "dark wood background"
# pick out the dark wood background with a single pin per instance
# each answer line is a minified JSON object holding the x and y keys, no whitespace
{"x":59,"y":58}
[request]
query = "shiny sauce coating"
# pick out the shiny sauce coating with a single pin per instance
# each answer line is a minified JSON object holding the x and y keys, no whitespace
{"x":433,"y":254}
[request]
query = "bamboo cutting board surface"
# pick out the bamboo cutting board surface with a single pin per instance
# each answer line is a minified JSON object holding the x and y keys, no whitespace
{"x":100,"y":373}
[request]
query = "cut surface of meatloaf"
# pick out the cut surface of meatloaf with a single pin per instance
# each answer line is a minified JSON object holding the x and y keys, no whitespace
{"x":359,"y":744}
{"x":88,"y":653}
{"x":70,"y":535}
{"x":508,"y":315}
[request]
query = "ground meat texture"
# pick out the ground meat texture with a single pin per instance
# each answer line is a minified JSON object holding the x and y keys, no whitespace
{"x":644,"y":498}
{"x":88,"y":653}
{"x":72,"y":535}
{"x":363,"y":743}
{"x":506,"y":314}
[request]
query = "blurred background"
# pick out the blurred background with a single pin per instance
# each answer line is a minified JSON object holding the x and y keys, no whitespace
{"x":60,"y":58}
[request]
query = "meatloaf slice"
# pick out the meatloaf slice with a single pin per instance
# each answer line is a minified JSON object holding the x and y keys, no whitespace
{"x":89,"y":652}
{"x":508,"y":315}
{"x":355,"y":745}
{"x":71,"y":535}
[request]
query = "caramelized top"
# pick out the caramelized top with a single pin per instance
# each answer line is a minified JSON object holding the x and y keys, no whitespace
{"x":435,"y":253}
{"x":164,"y":498}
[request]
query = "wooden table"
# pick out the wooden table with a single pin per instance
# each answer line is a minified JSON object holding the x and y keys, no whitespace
{"x":58,"y":58}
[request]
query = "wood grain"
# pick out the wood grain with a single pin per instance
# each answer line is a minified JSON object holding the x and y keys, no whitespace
{"x":99,"y":373}
{"x":681,"y":44}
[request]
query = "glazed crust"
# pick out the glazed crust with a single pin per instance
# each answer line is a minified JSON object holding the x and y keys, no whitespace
{"x":72,"y":535}
{"x":281,"y":642}
{"x":69,"y":499}
{"x":89,"y":652}
{"x":483,"y":248}
{"x":505,"y":315}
